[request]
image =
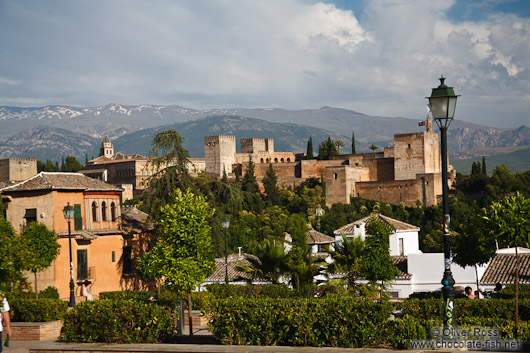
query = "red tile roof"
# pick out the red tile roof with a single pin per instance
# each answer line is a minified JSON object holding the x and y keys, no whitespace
{"x":397,"y":225}
{"x":315,"y":237}
{"x":60,"y":181}
{"x":502,"y":269}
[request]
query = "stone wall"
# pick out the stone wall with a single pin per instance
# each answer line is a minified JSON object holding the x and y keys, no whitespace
{"x":219,"y":152}
{"x":341,"y":182}
{"x":415,"y":153}
{"x":256,"y":145}
{"x":36,"y":331}
{"x":17,"y":169}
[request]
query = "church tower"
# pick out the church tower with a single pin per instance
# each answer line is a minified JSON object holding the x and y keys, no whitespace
{"x":106,"y":149}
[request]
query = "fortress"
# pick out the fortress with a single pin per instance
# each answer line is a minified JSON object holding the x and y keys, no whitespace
{"x":408,"y":172}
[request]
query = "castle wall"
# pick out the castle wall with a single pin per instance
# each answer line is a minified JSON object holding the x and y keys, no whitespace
{"x":315,"y":169}
{"x":341,"y":182}
{"x":256,"y":145}
{"x":219,"y":152}
{"x":415,"y":153}
{"x":17,"y":169}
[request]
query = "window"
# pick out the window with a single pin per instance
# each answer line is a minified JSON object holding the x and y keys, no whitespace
{"x":113,"y":256}
{"x":78,"y":219}
{"x":282,"y":160}
{"x":82,"y":265}
{"x":275,"y":160}
{"x":31,"y":215}
{"x":127,"y":260}
{"x":288,"y":159}
{"x":94,"y":211}
{"x":401,"y":250}
{"x":103,"y":211}
{"x":113,"y":211}
{"x":335,"y":176}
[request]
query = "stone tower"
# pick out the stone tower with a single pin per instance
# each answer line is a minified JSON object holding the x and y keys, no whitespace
{"x":106,"y":149}
{"x":219,"y":151}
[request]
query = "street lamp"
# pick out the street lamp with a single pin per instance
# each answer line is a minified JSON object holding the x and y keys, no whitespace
{"x":68,"y":212}
{"x":443,"y":103}
{"x":225,"y":224}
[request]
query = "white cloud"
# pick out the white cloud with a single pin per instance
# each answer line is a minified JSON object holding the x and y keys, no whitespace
{"x":286,"y":53}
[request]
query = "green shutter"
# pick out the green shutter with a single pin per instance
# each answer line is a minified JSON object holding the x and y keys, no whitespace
{"x":31,"y":213}
{"x":78,"y":219}
{"x":82,"y":265}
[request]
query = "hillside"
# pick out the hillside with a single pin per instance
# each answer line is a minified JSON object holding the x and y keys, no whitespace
{"x":516,"y":161}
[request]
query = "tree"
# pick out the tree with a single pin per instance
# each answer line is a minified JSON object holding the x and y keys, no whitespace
{"x":377,"y":265}
{"x":71,"y":164}
{"x":484,"y":169}
{"x":374,"y":148}
{"x":347,"y":259}
{"x":353,"y":151}
{"x":249,"y":182}
{"x":183,"y":254}
{"x":269,"y":262}
{"x":40,"y":247}
{"x":299,"y":259}
{"x":11,"y":263}
{"x":327,"y":150}
{"x":169,"y":163}
{"x":508,"y":221}
{"x":270,"y":185}
{"x":309,"y":153}
{"x":339,"y":144}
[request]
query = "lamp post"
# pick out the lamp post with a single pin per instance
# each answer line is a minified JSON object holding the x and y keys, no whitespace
{"x":443,"y":103}
{"x":68,"y":212}
{"x":225,"y":224}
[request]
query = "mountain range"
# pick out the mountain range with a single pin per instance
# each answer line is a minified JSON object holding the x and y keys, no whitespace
{"x":54,"y":131}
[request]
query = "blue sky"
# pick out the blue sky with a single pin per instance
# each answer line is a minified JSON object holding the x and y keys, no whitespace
{"x":378,"y":57}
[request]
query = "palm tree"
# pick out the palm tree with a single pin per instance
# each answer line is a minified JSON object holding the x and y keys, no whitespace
{"x":269,"y":262}
{"x":373,"y":147}
{"x":339,"y":144}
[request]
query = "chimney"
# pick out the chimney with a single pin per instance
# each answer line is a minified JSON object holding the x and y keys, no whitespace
{"x":239,"y":248}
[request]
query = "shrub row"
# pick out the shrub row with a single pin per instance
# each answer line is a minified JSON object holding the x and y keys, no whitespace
{"x":498,"y":309}
{"x":271,"y":291}
{"x":333,"y":321}
{"x":200,"y":300}
{"x":37,"y":310}
{"x":118,"y":321}
{"x":509,"y":292}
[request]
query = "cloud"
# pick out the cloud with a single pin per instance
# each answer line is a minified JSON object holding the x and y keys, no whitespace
{"x":290,"y":53}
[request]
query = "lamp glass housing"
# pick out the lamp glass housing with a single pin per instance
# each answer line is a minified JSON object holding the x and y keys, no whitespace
{"x":68,"y":211}
{"x":225,"y":223}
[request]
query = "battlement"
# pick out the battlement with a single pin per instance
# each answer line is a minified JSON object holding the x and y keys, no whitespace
{"x":17,"y":169}
{"x":257,"y":145}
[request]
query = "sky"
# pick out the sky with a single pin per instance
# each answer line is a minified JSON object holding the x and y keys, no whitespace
{"x":377,"y":57}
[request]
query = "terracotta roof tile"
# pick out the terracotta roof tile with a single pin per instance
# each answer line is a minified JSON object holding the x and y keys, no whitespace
{"x":398,"y":225}
{"x":233,"y":273}
{"x":402,"y":265}
{"x":60,"y":181}
{"x":502,"y":269}
{"x":315,"y":237}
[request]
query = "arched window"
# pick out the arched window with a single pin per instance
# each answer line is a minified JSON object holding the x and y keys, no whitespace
{"x":281,"y":160}
{"x":275,"y":160}
{"x":288,"y":159}
{"x":103,"y":211}
{"x":94,"y":211}
{"x":261,"y":160}
{"x":113,"y":211}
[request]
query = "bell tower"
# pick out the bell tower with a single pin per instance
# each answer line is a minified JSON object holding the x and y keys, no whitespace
{"x":106,"y":149}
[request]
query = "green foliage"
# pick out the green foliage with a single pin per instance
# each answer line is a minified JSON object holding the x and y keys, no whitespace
{"x":118,"y":321}
{"x":333,"y":321}
{"x":71,"y":164}
{"x":12,"y":259}
{"x":376,"y":264}
{"x":353,"y":150}
{"x":40,"y":248}
{"x":169,"y":161}
{"x":309,"y":153}
{"x":37,"y":310}
{"x":249,"y":182}
{"x":49,"y":292}
{"x":403,"y":329}
{"x":269,"y":262}
{"x":327,"y":150}
{"x":270,"y":184}
{"x":508,"y":292}
{"x":183,"y":255}
{"x":347,"y":255}
{"x":167,"y":298}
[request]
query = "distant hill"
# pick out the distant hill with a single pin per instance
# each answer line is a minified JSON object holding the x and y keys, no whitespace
{"x":46,"y":142}
{"x":516,"y":161}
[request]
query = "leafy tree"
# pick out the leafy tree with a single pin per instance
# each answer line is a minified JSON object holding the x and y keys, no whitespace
{"x":309,"y":153}
{"x":353,"y":150}
{"x":71,"y":164}
{"x":183,"y":255}
{"x":299,"y":259}
{"x":48,"y":167}
{"x":11,"y":263}
{"x":270,"y":185}
{"x":169,"y":161}
{"x":40,"y":247}
{"x":374,"y":148}
{"x":327,"y":150}
{"x":508,"y":221}
{"x":377,"y":265}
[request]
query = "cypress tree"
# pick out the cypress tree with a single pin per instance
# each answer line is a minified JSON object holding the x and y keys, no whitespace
{"x":309,"y":152}
{"x":353,"y":143}
{"x":271,"y":187}
{"x":249,"y":180}
{"x":484,"y":170}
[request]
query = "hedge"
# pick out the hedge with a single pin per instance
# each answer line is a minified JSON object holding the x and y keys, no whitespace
{"x":333,"y":321}
{"x":37,"y":310}
{"x":118,"y":321}
{"x":200,"y":300}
